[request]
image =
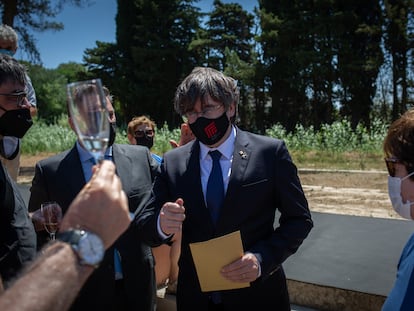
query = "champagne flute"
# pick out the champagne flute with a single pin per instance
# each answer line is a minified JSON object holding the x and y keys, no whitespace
{"x":89,"y":115}
{"x":52,"y":214}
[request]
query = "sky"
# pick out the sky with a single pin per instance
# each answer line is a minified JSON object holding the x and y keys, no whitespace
{"x":83,"y":27}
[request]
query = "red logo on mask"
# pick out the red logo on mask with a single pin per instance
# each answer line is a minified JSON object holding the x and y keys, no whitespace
{"x":210,"y":129}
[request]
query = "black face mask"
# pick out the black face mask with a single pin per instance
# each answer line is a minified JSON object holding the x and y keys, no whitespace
{"x":210,"y":131}
{"x":147,"y":141}
{"x":15,"y":122}
{"x":112,"y":133}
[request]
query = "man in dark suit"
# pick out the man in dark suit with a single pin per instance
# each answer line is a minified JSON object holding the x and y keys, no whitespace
{"x":17,"y":235}
{"x":60,"y":178}
{"x":257,"y":178}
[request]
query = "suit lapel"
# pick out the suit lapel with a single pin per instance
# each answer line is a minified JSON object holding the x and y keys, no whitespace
{"x":70,"y":174}
{"x":241,"y":156}
{"x":193,"y":186}
{"x":122,"y":167}
{"x":193,"y":167}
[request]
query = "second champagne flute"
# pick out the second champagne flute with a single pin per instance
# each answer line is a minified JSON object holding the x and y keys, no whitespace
{"x":89,"y":115}
{"x":52,"y":214}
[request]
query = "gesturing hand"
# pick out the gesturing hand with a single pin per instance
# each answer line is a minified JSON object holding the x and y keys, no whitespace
{"x":172,"y":216}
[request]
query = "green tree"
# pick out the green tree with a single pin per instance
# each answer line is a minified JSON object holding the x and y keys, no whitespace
{"x":319,"y":53}
{"x":228,"y":26}
{"x":72,"y":71}
{"x":50,"y":86}
{"x":358,"y":45}
{"x":286,"y":49}
{"x":153,"y":39}
{"x":227,"y":44}
{"x":103,"y":62}
{"x":398,"y":43}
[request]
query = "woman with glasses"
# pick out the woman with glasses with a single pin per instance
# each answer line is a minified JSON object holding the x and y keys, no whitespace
{"x":399,"y":158}
{"x":141,"y":131}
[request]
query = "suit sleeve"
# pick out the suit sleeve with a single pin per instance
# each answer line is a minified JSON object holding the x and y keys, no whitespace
{"x":146,"y":221}
{"x":38,"y":189}
{"x":295,"y":220}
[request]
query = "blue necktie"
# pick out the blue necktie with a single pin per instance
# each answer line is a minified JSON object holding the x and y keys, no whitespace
{"x":214,"y":198}
{"x":215,"y":187}
{"x":117,"y":256}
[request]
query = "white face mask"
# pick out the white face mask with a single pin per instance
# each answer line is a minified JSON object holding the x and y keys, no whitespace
{"x":394,"y":192}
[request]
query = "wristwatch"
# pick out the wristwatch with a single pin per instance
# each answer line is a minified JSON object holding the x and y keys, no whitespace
{"x":88,"y":246}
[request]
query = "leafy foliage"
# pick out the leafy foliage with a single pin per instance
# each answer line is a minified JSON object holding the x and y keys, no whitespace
{"x":297,"y":62}
{"x":325,"y":147}
{"x":44,"y":137}
{"x":337,"y":137}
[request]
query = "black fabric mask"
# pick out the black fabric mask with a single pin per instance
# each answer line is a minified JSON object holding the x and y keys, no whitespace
{"x":112,"y":133}
{"x":147,"y":141}
{"x":210,"y":131}
{"x":15,"y":122}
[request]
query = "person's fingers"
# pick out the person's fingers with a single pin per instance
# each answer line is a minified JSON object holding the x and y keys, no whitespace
{"x":172,"y":216}
{"x":38,"y":220}
{"x":245,"y":269}
{"x":173,"y":143}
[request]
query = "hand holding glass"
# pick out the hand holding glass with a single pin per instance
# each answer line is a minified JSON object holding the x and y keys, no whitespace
{"x":89,"y":115}
{"x":52,"y":214}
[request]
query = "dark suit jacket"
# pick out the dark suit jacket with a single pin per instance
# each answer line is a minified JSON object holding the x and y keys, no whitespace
{"x":17,"y":235}
{"x":263,"y":180}
{"x":60,"y":178}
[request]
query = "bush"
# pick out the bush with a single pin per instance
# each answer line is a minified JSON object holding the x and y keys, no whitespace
{"x":335,"y":144}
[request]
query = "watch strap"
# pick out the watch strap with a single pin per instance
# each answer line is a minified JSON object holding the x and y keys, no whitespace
{"x":73,"y":237}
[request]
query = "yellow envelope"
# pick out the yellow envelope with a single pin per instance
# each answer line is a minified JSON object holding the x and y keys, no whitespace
{"x":210,"y":256}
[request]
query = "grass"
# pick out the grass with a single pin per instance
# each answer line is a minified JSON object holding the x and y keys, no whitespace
{"x":340,"y":161}
{"x":335,"y":146}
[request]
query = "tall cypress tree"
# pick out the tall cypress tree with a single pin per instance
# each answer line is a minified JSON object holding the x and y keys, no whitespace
{"x":398,"y":42}
{"x":153,"y":38}
{"x":358,"y":46}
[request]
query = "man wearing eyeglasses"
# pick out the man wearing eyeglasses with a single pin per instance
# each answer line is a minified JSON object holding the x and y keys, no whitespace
{"x":17,"y":235}
{"x":125,"y":279}
{"x":225,"y":181}
{"x":10,"y":145}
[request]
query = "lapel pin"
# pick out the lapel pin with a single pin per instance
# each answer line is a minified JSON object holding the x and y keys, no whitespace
{"x":243,"y":154}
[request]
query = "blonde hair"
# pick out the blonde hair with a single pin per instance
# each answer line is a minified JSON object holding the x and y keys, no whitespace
{"x":137,"y":121}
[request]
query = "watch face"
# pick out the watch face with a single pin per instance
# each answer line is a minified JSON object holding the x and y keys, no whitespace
{"x":91,"y":249}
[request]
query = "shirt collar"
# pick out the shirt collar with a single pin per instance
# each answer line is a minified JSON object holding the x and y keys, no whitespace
{"x":85,"y":155}
{"x":226,"y":148}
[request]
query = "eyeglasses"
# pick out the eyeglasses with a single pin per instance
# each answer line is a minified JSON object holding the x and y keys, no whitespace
{"x":18,"y":97}
{"x":141,"y":133}
{"x":390,"y":162}
{"x":207,"y":112}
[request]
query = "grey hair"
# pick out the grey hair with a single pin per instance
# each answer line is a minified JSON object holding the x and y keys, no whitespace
{"x":201,"y":83}
{"x":7,"y":33}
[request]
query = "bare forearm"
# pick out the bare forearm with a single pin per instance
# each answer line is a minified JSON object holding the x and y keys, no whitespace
{"x":56,"y":272}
